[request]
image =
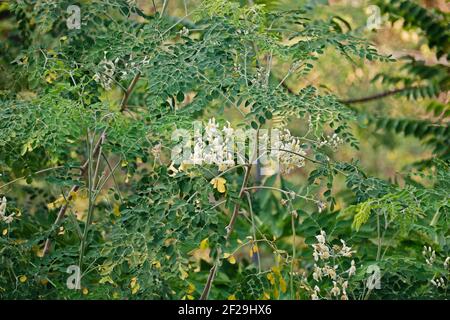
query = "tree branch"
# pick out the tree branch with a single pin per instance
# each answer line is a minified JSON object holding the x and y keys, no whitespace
{"x":73,"y":190}
{"x":123,"y":105}
{"x":375,"y":96}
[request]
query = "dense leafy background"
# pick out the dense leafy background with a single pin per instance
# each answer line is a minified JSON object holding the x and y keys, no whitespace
{"x":141,"y":228}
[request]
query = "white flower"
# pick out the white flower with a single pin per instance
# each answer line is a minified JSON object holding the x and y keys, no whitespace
{"x":184,"y":31}
{"x":447,"y":262}
{"x":321,"y":238}
{"x":315,"y":295}
{"x":321,"y":251}
{"x":291,"y":153}
{"x":429,"y":254}
{"x":3,"y":217}
{"x":105,"y":75}
{"x":3,"y":207}
{"x":335,"y":291}
{"x":317,"y":274}
{"x":331,"y":272}
{"x":345,"y":285}
{"x":321,"y":206}
{"x":316,"y":255}
{"x":352,"y":269}
{"x":345,"y":250}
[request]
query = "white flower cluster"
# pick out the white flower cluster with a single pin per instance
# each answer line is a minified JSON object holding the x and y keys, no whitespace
{"x":438,"y":282}
{"x":107,"y":70}
{"x":224,"y":146}
{"x":323,"y":252}
{"x":332,"y":141}
{"x":105,"y":75}
{"x":291,"y":153}
{"x":429,"y":255}
{"x":3,"y":217}
{"x":322,"y":255}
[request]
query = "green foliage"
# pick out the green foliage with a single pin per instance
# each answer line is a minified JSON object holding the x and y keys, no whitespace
{"x":86,"y":123}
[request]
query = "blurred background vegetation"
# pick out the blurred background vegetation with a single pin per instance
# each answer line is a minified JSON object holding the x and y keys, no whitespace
{"x":402,"y":109}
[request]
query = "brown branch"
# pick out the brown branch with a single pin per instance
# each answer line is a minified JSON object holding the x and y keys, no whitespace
{"x":375,"y":96}
{"x":123,"y":105}
{"x":74,"y":189}
{"x":358,"y":100}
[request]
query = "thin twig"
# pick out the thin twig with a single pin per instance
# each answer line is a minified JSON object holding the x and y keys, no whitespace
{"x":123,"y":105}
{"x":375,"y":96}
{"x":229,"y":229}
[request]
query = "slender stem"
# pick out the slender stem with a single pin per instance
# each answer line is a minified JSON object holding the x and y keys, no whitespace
{"x":164,"y":8}
{"x":249,"y":199}
{"x":24,"y":177}
{"x":73,"y":190}
{"x":229,"y":229}
{"x":293,"y":253}
{"x":93,"y":193}
{"x":379,"y":237}
{"x":237,"y":206}
{"x":90,"y":204}
{"x":375,"y":96}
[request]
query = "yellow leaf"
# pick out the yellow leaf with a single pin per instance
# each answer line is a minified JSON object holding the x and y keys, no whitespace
{"x":44,"y":282}
{"x":271,"y":278}
{"x":276,"y":270}
{"x":232,"y":259}
{"x":51,"y":76}
{"x":266,"y":296}
{"x":283,"y":285}
{"x":56,"y":204}
{"x":219,"y":184}
{"x":106,"y":279}
{"x":135,"y":289}
{"x":23,"y":279}
{"x":85,"y":291}
{"x":191,"y":288}
{"x":204,"y":244}
{"x":5,"y":232}
{"x":116,"y":210}
{"x":184,"y":274}
{"x":231,"y":297}
{"x":255,"y":249}
{"x":73,"y":195}
{"x":156,"y":264}
{"x":276,"y":293}
{"x":134,"y":285}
